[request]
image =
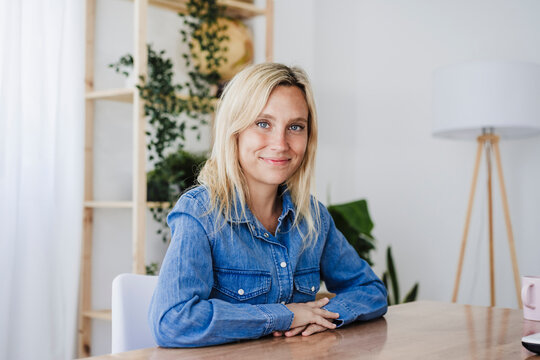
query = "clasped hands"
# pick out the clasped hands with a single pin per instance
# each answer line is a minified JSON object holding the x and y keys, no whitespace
{"x":309,"y":318}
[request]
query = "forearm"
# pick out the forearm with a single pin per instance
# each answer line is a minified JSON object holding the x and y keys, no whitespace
{"x":361,"y":295}
{"x":211,"y":322}
{"x":364,"y":302}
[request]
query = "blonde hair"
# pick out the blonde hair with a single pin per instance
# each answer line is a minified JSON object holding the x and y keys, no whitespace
{"x":242,"y":100}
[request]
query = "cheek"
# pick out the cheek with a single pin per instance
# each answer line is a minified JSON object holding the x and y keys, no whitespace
{"x":253,"y":141}
{"x":300,"y":147}
{"x":242,"y":150}
{"x":248,"y":144}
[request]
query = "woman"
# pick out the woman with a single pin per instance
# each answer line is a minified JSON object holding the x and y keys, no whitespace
{"x":250,"y":245}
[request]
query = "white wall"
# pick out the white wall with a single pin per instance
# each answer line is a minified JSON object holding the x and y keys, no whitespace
{"x":370,"y":63}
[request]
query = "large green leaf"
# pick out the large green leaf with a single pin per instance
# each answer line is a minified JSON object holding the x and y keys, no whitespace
{"x":356,"y":214}
{"x":354,"y":222}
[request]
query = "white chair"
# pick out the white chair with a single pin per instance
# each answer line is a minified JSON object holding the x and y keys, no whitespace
{"x":131,"y":295}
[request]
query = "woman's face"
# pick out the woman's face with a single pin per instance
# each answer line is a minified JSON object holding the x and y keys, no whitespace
{"x":273,"y":146}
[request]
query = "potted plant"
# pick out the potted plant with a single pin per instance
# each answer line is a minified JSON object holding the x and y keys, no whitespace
{"x":354,"y":221}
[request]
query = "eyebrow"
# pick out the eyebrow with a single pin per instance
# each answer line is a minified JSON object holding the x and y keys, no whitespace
{"x":263,"y":115}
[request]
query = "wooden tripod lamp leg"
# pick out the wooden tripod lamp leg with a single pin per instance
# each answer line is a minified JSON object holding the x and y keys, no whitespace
{"x":488,"y":146}
{"x":467,"y":219}
{"x":509,"y":232}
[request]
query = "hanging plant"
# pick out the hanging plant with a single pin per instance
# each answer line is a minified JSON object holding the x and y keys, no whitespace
{"x":170,"y":177}
{"x":174,"y":109}
{"x":170,"y":115}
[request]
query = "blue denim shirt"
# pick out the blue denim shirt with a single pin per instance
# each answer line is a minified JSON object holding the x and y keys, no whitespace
{"x":222,"y":284}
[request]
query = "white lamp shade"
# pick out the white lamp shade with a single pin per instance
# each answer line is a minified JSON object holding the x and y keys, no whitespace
{"x":504,"y":96}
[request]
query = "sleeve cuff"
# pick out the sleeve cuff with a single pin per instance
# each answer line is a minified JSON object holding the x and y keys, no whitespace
{"x":279,"y":317}
{"x":346,"y":315}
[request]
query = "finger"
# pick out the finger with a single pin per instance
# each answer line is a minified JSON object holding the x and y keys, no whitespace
{"x":295,"y":331}
{"x":277,"y":333}
{"x":326,"y":314}
{"x":323,"y":322}
{"x":319,"y":303}
{"x":313,"y":329}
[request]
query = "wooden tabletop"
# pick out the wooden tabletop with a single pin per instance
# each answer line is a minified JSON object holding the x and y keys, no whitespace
{"x":419,"y":330}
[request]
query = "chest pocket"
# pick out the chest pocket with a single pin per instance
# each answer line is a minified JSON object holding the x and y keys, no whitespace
{"x":307,"y":283}
{"x":241,"y":286}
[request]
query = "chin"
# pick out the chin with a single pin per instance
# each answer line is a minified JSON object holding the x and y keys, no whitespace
{"x":275,"y":180}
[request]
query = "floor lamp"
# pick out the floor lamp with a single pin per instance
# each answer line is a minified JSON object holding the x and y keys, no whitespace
{"x":487,"y":101}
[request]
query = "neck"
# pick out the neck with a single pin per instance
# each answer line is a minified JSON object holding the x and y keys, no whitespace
{"x":265,"y":204}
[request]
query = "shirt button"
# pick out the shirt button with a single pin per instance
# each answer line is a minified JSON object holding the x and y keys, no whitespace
{"x":283,"y":264}
{"x":282,"y":303}
{"x":265,"y":234}
{"x":313,"y":288}
{"x":241,"y":292}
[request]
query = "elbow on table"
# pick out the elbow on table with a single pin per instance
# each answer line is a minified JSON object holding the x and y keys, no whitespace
{"x":384,"y":291}
{"x":379,"y":300}
{"x":182,"y":325}
{"x":168,"y":329}
{"x":170,"y":337}
{"x":180,"y":332}
{"x":383,"y":295}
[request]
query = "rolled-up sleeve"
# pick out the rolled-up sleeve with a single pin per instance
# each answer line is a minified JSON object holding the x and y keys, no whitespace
{"x":360,"y":294}
{"x":181,"y":313}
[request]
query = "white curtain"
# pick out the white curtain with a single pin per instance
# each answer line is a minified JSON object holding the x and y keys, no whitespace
{"x":41,"y":154}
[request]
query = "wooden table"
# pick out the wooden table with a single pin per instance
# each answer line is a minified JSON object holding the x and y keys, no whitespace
{"x":419,"y":330}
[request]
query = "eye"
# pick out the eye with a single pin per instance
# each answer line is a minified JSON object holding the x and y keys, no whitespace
{"x":296,"y":127}
{"x":263,"y":124}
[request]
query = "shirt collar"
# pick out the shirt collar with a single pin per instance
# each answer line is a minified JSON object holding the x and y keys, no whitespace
{"x":287,"y":207}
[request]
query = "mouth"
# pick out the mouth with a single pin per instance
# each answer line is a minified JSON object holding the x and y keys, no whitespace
{"x":276,"y":161}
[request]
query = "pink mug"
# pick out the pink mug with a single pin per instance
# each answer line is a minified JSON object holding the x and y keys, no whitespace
{"x":530,"y":296}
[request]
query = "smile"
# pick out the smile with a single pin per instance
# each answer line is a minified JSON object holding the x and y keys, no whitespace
{"x":275,"y":161}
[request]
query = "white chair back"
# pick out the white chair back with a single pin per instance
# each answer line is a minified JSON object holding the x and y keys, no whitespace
{"x":131,"y":295}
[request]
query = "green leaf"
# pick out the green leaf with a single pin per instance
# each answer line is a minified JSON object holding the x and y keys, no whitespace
{"x":385,"y":282}
{"x":357,"y":215}
{"x":412,"y":294}
{"x":392,"y":274}
{"x":354,"y":222}
{"x":152,"y":269}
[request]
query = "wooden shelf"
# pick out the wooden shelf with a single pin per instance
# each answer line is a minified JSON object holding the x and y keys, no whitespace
{"x":123,"y":204}
{"x":98,"y":314}
{"x":123,"y":95}
{"x":126,"y":95}
{"x":109,"y":204}
{"x":156,"y":204}
{"x":234,"y":8}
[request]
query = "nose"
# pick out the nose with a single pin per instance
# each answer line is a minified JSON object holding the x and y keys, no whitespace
{"x":279,"y":140}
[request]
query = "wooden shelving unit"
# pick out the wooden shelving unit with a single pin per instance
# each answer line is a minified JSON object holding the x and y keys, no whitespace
{"x":138,"y":204}
{"x":122,"y":95}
